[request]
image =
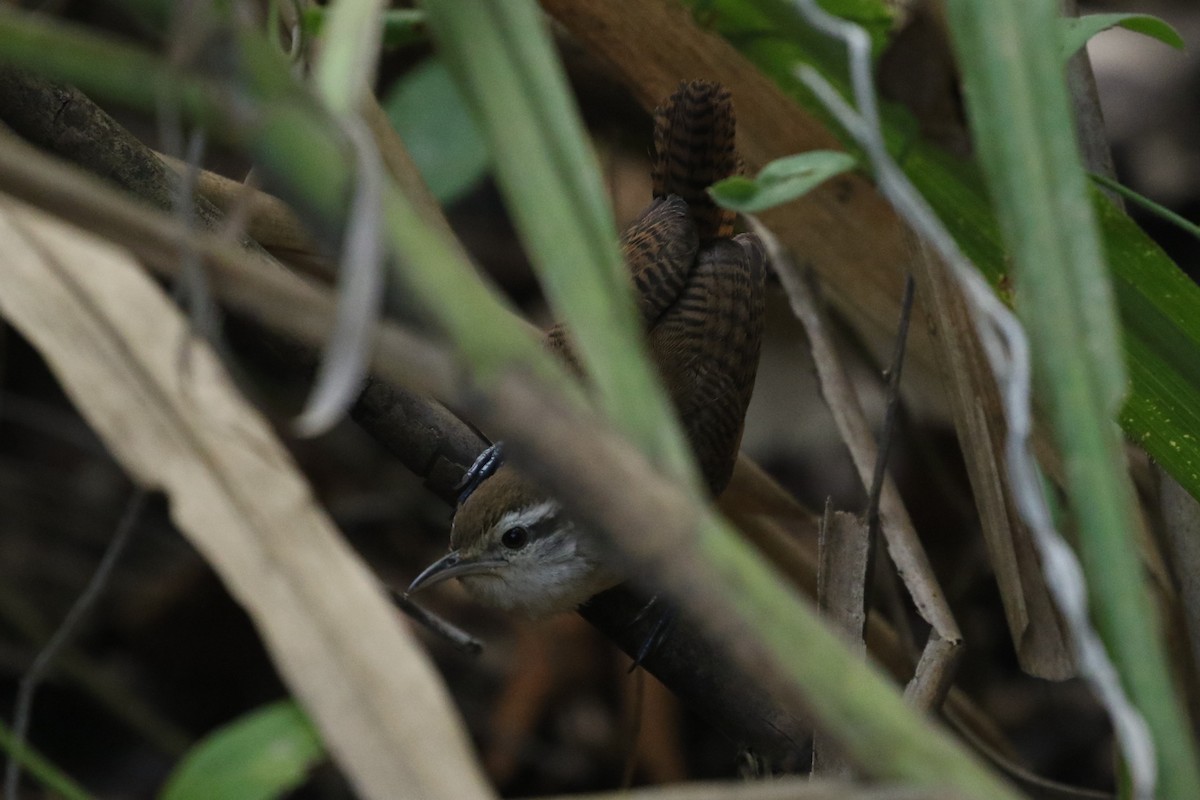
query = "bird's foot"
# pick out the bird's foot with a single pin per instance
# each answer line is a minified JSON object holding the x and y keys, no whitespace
{"x":485,"y":464}
{"x":664,"y":619}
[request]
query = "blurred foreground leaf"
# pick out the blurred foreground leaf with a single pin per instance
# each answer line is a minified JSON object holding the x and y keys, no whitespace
{"x":1159,"y":306}
{"x":258,"y":756}
{"x":427,"y":110}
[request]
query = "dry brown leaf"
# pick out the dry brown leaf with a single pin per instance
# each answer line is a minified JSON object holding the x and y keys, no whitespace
{"x":114,"y":341}
{"x":845,"y":559}
{"x":844,"y":552}
{"x":1035,"y":626}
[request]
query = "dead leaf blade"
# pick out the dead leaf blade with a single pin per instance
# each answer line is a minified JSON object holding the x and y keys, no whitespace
{"x":114,"y":340}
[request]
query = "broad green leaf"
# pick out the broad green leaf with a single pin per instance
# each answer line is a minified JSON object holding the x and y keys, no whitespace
{"x":1155,"y":300}
{"x":427,"y":109}
{"x":1075,"y":32}
{"x":783,"y":180}
{"x":259,"y":756}
{"x":776,"y":19}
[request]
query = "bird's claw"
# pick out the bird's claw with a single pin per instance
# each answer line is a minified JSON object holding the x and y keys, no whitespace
{"x":484,"y":466}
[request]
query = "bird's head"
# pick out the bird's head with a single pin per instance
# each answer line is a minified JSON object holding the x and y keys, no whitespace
{"x":513,"y":547}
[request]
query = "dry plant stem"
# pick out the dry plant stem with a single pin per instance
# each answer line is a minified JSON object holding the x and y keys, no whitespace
{"x":847,"y":232}
{"x":844,"y":550}
{"x":61,"y":119}
{"x":1033,"y":620}
{"x":460,"y":639}
{"x":62,"y":636}
{"x":935,"y":671}
{"x":1008,"y":349}
{"x":1089,"y":118}
{"x":634,"y":734}
{"x":270,"y":221}
{"x":893,"y":403}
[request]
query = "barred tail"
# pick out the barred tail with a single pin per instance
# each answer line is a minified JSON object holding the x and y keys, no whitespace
{"x":694,"y":148}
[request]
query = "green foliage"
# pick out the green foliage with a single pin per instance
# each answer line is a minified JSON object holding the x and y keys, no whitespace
{"x":783,"y":180}
{"x":1155,"y":300}
{"x":1075,"y":32}
{"x":1048,"y":212}
{"x":259,"y":756}
{"x":777,"y":20}
{"x":428,"y":111}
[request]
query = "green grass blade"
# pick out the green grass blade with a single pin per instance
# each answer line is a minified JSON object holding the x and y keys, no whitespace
{"x":41,"y":769}
{"x":1157,"y":209}
{"x":504,"y":59}
{"x":1019,"y":111}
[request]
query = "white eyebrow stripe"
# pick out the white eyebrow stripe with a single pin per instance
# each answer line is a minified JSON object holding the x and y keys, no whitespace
{"x":527,"y":517}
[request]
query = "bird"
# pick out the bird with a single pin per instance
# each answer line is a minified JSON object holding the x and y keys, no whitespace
{"x":700,"y":295}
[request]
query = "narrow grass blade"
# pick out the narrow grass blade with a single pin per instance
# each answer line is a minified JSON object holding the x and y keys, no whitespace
{"x":503,"y":57}
{"x":1020,"y":114}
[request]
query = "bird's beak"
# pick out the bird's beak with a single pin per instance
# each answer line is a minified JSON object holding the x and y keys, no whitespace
{"x":452,"y":565}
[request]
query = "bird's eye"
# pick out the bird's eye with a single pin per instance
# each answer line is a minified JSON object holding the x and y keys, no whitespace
{"x":515,"y":538}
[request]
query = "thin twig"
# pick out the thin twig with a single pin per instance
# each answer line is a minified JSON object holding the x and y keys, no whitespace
{"x":942,"y":648}
{"x":893,"y":400}
{"x":460,"y":639}
{"x":42,"y":663}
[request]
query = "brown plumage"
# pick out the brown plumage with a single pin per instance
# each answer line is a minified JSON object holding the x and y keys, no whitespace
{"x":700,"y":292}
{"x":694,"y":147}
{"x":700,"y":296}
